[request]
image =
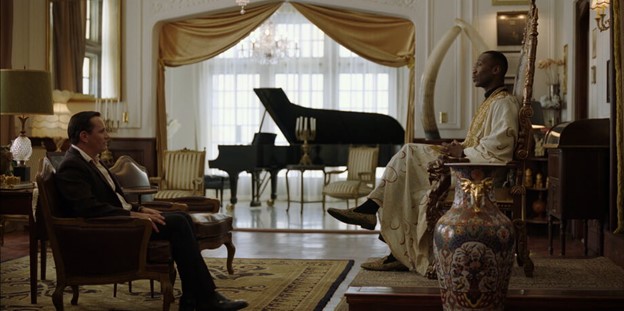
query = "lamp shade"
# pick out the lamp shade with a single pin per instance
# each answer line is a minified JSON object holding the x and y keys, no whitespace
{"x":25,"y":92}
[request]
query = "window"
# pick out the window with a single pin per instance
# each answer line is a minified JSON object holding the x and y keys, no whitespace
{"x":315,"y":72}
{"x":91,"y":67}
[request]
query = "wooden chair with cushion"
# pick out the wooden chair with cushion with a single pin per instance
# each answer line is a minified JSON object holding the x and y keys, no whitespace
{"x":360,"y":181}
{"x":100,"y":250}
{"x":212,"y":228}
{"x":182,"y":174}
{"x":512,"y":198}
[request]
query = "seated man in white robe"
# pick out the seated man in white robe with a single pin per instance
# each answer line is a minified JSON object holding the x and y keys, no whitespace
{"x":400,"y":198}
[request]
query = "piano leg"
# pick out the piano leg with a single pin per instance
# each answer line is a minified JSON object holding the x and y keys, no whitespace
{"x":256,"y":183}
{"x":233,"y":187}
{"x":273,"y":173}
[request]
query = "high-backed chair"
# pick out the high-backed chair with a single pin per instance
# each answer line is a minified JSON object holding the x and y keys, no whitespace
{"x":360,"y":181}
{"x":125,"y":254}
{"x":212,"y":228}
{"x":182,"y":174}
{"x":513,"y":200}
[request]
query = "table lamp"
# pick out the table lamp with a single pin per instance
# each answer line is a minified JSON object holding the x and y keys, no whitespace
{"x":23,"y":93}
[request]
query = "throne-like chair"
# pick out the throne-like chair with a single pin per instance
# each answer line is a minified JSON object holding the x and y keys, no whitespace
{"x":513,"y":201}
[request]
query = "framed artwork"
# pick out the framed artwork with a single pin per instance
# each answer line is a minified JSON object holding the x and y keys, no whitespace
{"x":510,"y":28}
{"x":593,"y":42}
{"x":513,"y":61}
{"x":564,"y":81}
{"x":510,"y":2}
{"x":609,"y":81}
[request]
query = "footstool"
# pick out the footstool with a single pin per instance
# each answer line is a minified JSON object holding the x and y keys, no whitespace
{"x":213,"y":230}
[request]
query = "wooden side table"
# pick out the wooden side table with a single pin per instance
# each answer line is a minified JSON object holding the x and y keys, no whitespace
{"x":20,"y":202}
{"x":140,"y":191}
{"x":301,"y":169}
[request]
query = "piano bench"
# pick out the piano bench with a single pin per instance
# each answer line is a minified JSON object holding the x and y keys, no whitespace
{"x":218,"y":184}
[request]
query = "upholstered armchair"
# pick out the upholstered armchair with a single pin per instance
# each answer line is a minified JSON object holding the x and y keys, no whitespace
{"x":360,"y":181}
{"x":182,"y":174}
{"x":83,"y":256}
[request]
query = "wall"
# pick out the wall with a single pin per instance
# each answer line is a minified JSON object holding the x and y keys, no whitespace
{"x":432,"y":18}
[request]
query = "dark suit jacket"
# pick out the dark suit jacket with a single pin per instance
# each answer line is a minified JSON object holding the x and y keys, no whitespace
{"x":84,"y":191}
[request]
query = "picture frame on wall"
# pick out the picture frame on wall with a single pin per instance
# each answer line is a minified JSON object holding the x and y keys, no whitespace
{"x":608,"y":81}
{"x":593,"y":42}
{"x":510,"y":2}
{"x":513,"y":61}
{"x":510,"y":28}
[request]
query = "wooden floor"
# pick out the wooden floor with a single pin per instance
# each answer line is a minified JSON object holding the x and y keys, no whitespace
{"x":272,"y":232}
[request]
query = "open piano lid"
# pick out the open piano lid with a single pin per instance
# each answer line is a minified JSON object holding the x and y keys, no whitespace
{"x":332,"y":126}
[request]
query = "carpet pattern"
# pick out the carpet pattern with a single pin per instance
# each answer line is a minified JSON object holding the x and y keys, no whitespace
{"x":598,"y":273}
{"x":267,"y":284}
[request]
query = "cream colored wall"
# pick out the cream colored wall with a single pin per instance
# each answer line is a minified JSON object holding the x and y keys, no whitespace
{"x":432,"y":19}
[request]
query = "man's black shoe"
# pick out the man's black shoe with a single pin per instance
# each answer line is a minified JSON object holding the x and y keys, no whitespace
{"x":218,"y":302}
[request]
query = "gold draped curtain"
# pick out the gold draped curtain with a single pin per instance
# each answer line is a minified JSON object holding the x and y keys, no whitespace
{"x":618,"y":62}
{"x":68,"y":26}
{"x":385,"y":40}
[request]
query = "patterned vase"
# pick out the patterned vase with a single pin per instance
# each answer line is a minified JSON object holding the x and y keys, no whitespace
{"x":474,"y":243}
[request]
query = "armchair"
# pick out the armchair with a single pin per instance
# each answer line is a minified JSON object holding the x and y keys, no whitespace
{"x":360,"y":181}
{"x":182,"y":174}
{"x":112,"y":249}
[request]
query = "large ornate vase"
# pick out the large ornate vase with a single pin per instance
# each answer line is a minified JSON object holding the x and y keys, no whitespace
{"x":474,"y":243}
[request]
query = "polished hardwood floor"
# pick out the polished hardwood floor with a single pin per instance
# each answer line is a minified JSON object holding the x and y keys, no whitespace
{"x":274,"y":232}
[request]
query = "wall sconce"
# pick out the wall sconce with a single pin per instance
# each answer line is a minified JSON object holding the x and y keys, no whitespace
{"x":601,"y":7}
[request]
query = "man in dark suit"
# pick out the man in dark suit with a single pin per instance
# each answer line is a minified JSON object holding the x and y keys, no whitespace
{"x":89,"y":190}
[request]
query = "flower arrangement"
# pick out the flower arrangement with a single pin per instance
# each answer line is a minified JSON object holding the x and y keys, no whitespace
{"x":551,"y":68}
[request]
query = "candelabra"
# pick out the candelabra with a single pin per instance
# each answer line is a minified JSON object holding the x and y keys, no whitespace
{"x":305,"y":129}
{"x":113,"y":112}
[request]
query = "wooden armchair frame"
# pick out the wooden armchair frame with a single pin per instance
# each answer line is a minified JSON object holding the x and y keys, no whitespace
{"x":121,"y":257}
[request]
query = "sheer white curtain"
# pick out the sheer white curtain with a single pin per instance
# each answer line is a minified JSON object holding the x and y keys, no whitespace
{"x":315,"y":73}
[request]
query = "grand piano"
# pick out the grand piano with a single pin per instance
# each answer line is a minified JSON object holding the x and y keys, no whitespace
{"x":335,"y":131}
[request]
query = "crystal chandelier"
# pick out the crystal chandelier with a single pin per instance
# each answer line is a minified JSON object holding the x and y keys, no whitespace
{"x":267,"y":47}
{"x":242,"y":4}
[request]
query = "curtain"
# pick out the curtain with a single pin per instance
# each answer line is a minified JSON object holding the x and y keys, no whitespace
{"x":315,"y":72}
{"x":111,"y":49}
{"x":190,"y":41}
{"x":68,"y":24}
{"x":618,"y":62}
{"x":384,"y":40}
{"x":193,"y":40}
{"x":7,"y":123}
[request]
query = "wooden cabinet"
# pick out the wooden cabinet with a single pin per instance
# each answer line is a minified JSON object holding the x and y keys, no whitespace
{"x":578,"y":176}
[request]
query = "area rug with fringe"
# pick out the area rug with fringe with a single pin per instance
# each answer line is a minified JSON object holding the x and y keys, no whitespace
{"x":267,"y":284}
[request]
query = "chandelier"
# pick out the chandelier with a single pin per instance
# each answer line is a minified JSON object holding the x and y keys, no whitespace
{"x":268,"y":47}
{"x":242,"y":4}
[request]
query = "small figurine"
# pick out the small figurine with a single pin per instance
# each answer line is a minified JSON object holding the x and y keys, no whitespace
{"x":538,"y":181}
{"x":528,"y":177}
{"x":539,"y":147}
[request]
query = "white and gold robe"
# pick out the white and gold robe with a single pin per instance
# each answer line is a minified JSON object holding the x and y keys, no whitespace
{"x":404,"y":188}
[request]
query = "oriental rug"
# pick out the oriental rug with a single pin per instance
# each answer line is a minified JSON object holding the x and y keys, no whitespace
{"x":267,"y":284}
{"x":597,"y":273}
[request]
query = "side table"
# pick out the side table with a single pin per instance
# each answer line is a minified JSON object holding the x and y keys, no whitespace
{"x":301,"y":169}
{"x":140,"y":191}
{"x":20,"y":202}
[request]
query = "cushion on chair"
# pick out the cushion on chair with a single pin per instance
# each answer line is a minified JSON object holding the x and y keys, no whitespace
{"x":196,"y":203}
{"x":347,"y":189}
{"x":210,"y":225}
